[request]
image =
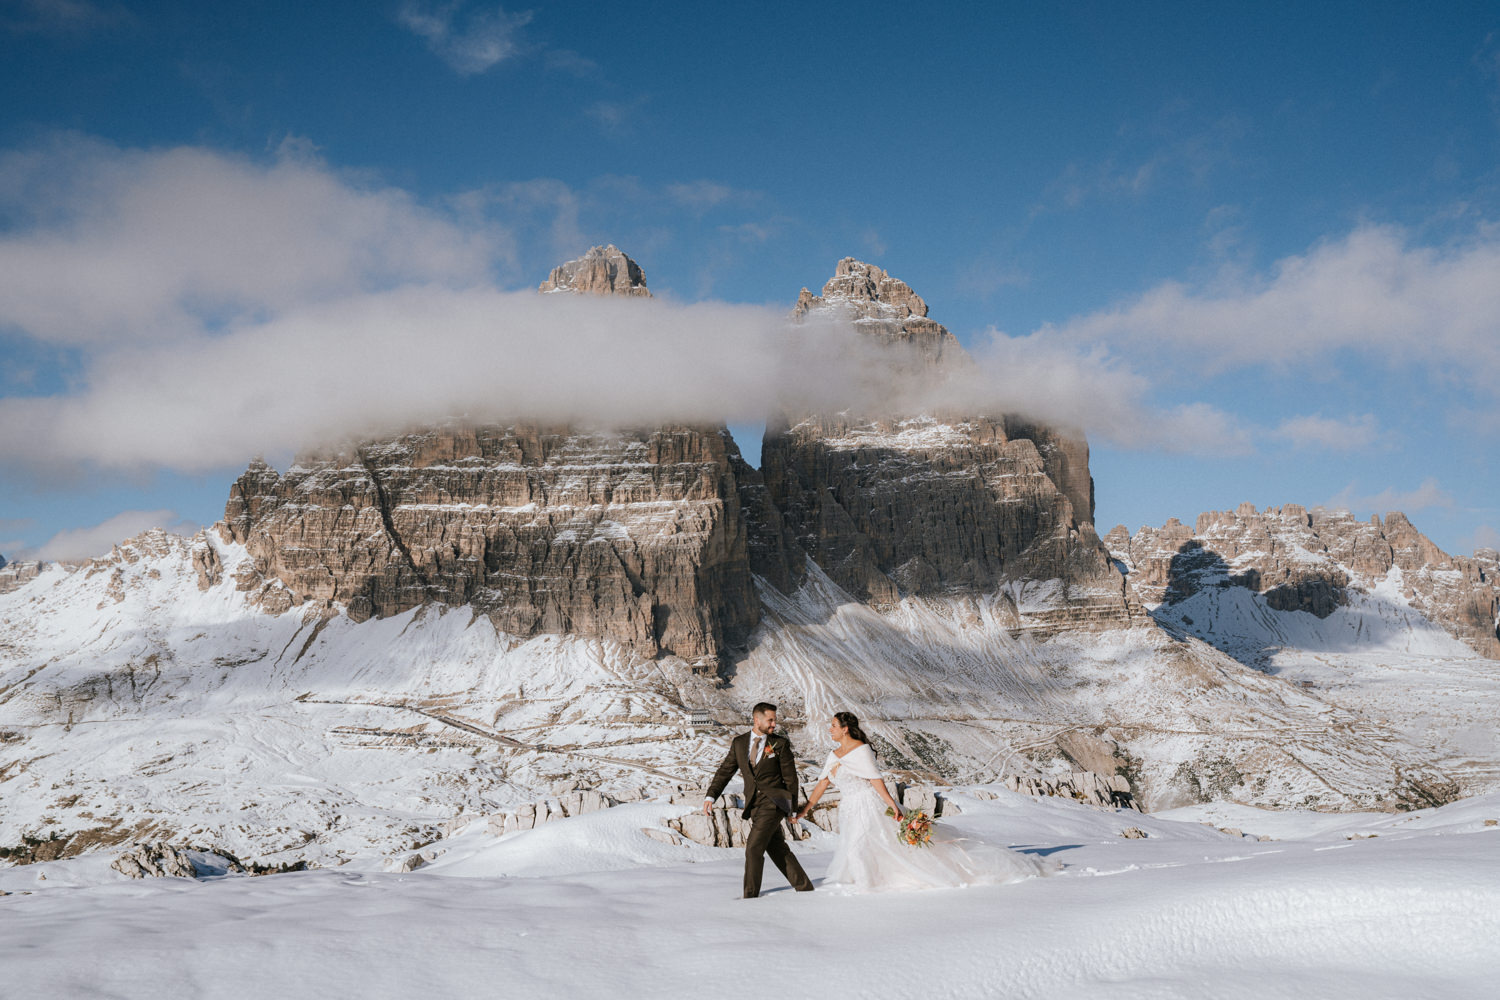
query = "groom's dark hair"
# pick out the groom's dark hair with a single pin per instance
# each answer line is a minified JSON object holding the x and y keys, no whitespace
{"x":761,"y":708}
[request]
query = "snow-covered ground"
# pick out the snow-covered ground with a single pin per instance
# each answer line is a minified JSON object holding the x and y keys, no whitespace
{"x":1374,"y":656}
{"x":140,"y":700}
{"x":1368,"y":907}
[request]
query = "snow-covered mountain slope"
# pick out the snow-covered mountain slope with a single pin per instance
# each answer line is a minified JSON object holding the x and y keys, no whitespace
{"x":1317,"y":561}
{"x":138,"y":697}
{"x":1368,"y":615}
{"x":594,"y":908}
{"x":134,"y":703}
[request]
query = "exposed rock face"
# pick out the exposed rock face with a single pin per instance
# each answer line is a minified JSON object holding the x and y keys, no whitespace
{"x":633,"y":535}
{"x":17,"y":574}
{"x":648,"y":536}
{"x":922,"y":503}
{"x":1305,"y":560}
{"x":601,"y":271}
{"x":630,"y":534}
{"x":884,"y":307}
{"x":162,"y":860}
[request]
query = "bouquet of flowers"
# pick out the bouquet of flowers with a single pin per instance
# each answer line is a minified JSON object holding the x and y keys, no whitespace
{"x":916,"y":827}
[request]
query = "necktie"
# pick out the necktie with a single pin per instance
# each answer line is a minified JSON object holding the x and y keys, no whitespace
{"x":755,"y":750}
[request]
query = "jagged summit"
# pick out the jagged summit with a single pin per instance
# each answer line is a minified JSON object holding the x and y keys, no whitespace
{"x":922,"y":503}
{"x":883,"y":306}
{"x":1316,"y":561}
{"x":603,"y":270}
{"x":861,"y":284}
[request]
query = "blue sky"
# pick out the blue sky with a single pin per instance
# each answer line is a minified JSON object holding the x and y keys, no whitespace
{"x":1253,"y":249}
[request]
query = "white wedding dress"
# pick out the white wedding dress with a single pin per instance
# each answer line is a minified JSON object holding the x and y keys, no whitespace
{"x":872,"y":858}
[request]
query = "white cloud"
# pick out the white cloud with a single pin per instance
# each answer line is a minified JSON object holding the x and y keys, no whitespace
{"x":221,"y":307}
{"x":123,"y":244}
{"x":1330,"y":433}
{"x":469,"y":41}
{"x":1428,"y":494}
{"x":1372,"y":294}
{"x":96,"y":540}
{"x":381,"y":361}
{"x":1088,"y":390}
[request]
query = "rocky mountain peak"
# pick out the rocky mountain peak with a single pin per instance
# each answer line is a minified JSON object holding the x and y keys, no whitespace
{"x":868,"y":289}
{"x":603,"y":270}
{"x":884,"y":307}
{"x":892,"y":504}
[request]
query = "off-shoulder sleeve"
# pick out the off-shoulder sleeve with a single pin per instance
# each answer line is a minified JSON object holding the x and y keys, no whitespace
{"x":860,"y":763}
{"x":828,"y":765}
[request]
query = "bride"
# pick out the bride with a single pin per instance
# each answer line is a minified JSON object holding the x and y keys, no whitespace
{"x":871,"y":857}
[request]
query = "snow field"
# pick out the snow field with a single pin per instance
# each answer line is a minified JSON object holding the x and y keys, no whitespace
{"x":591,"y":907}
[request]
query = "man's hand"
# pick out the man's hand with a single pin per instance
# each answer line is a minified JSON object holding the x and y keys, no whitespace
{"x":708,"y":807}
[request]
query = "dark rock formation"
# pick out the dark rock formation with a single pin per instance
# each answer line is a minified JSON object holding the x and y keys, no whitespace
{"x":921,"y":503}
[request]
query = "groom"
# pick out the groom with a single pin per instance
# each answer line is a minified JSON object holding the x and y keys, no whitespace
{"x":764,"y":757}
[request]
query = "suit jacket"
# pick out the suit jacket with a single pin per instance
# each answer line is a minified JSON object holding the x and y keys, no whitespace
{"x":772,"y":781}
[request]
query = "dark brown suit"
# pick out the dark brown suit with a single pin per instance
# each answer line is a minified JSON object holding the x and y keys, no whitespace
{"x":770,"y":797}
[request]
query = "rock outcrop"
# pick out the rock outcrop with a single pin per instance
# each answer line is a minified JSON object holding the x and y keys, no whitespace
{"x":630,"y":534}
{"x":17,"y":574}
{"x":649,"y":536}
{"x":1309,"y":560}
{"x":883,"y":307}
{"x":896,"y":504}
{"x":601,"y":271}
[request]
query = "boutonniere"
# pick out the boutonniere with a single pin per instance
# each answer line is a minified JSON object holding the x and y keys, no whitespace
{"x":769,"y":751}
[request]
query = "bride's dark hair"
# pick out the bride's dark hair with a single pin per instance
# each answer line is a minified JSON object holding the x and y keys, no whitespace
{"x":849,"y":722}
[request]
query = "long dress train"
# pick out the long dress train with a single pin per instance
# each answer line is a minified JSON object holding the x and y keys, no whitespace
{"x":872,"y":858}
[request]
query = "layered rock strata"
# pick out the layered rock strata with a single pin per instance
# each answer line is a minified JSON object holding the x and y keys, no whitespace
{"x":896,"y":504}
{"x":649,"y":536}
{"x":1308,"y":560}
{"x":630,"y":534}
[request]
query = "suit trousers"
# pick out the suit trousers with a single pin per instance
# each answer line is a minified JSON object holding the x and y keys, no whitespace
{"x":766,"y":837}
